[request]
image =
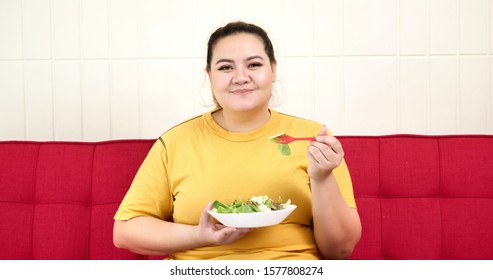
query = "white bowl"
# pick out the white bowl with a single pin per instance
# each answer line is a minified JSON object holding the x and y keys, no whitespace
{"x":253,"y":220}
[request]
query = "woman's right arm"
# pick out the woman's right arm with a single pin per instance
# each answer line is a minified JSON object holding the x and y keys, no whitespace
{"x":152,"y":236}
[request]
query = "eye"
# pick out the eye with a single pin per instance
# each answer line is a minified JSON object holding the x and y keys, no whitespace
{"x":225,"y":68}
{"x":255,"y":65}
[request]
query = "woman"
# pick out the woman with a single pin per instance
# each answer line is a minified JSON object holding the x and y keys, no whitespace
{"x":225,"y":155}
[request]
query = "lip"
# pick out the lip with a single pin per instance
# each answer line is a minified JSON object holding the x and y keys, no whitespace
{"x":242,"y":91}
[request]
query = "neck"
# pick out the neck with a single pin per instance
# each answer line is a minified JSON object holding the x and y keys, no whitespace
{"x":241,"y":121}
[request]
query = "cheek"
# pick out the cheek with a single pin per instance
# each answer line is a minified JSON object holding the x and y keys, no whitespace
{"x":265,"y":79}
{"x":219,"y":81}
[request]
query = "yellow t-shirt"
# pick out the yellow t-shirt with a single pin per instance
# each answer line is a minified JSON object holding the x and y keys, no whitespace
{"x":198,"y":161}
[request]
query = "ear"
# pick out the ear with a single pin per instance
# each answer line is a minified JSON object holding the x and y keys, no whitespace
{"x":273,"y":65}
{"x":208,"y":71}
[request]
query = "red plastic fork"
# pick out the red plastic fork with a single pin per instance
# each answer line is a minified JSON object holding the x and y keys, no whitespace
{"x":286,"y":139}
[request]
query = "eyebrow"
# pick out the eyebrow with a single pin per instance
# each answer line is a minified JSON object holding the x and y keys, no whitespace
{"x":231,"y":61}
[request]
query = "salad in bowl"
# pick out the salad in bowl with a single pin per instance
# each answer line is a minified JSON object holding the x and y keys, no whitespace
{"x":258,"y":211}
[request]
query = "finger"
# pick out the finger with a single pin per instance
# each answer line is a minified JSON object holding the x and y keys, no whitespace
{"x":220,"y":226}
{"x":227,"y":231}
{"x":245,"y":230}
{"x":323,"y":131}
{"x":331,"y":142}
{"x":205,"y":216}
{"x":336,"y":145}
{"x":237,"y":234}
{"x":316,"y":157}
{"x":323,"y":157}
{"x":321,"y":150}
{"x":234,"y":230}
{"x":206,"y":209}
{"x":226,"y":235}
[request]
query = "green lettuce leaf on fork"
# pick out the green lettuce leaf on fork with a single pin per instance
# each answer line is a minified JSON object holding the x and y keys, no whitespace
{"x":283,"y":148}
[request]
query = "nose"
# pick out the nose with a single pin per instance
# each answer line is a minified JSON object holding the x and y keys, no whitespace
{"x":241,"y":76}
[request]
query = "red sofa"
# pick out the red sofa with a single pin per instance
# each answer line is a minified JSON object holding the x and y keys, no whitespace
{"x":419,"y":197}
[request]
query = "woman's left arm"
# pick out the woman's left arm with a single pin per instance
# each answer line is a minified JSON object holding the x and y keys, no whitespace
{"x":336,"y":226}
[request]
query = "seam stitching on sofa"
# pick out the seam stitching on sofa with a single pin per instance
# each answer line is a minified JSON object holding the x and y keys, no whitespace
{"x":440,"y":166}
{"x":35,"y":175}
{"x":90,"y":203}
{"x":380,"y":198}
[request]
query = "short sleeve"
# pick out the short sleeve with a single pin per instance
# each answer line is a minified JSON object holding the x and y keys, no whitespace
{"x":149,"y":193}
{"x":343,"y":178}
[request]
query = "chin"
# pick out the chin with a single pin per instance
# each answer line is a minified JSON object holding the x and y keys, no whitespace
{"x":246,"y":109}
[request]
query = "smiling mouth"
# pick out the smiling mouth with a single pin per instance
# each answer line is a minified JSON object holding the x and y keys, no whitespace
{"x":242,"y":91}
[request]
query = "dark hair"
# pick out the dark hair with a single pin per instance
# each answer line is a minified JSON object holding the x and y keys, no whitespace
{"x":239,"y":27}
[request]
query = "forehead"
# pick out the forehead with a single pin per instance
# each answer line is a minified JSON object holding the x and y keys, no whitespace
{"x":240,"y":44}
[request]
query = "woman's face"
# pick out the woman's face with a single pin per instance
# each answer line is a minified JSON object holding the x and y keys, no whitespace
{"x":241,"y":74}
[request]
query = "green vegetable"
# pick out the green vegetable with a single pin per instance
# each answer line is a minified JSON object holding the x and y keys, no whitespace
{"x":272,"y":138}
{"x":283,"y":148}
{"x":218,"y":204}
{"x":254,"y":204}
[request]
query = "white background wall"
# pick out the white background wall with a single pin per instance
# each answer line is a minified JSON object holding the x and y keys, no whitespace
{"x":110,"y":69}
